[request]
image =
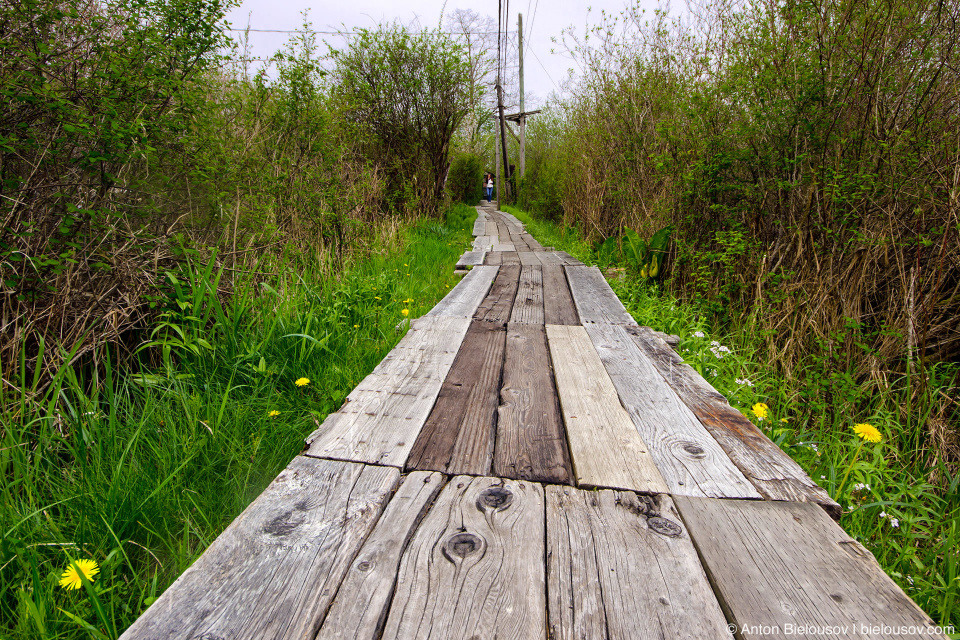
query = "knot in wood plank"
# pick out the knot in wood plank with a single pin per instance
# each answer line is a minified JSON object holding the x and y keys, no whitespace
{"x":461,"y":545}
{"x":494,"y":499}
{"x":665,"y":527}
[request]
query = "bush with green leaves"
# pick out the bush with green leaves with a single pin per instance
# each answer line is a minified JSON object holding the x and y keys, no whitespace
{"x":404,"y":94}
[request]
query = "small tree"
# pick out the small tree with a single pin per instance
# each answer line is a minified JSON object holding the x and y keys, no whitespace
{"x":405,"y":93}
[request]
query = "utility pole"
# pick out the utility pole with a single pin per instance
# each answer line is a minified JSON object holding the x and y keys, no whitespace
{"x":496,"y":161}
{"x":523,"y":116}
{"x":503,"y":144}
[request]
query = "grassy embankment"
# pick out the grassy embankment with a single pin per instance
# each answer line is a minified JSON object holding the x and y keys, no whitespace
{"x":141,"y":469}
{"x":906,"y":511}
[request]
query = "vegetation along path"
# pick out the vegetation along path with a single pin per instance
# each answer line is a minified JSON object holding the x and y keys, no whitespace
{"x":528,"y":462}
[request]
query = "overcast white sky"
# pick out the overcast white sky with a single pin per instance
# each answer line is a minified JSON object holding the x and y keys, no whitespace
{"x":544,"y":71}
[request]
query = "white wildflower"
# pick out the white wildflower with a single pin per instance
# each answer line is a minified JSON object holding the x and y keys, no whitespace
{"x":894,"y":522}
{"x":698,"y":334}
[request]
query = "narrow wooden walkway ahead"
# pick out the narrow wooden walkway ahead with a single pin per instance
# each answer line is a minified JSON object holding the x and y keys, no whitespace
{"x":530,"y":463}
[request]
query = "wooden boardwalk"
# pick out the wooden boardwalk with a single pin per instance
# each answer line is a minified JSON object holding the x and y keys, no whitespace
{"x":530,"y":463}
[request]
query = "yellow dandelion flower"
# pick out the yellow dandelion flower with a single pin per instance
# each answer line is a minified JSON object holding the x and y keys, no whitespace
{"x":71,"y":577}
{"x":868,"y":432}
{"x":784,"y":420}
{"x":405,"y":264}
{"x":302,"y":382}
{"x":356,"y":326}
{"x":273,"y":413}
{"x":405,"y":312}
{"x":376,"y":297}
{"x":761,"y":411}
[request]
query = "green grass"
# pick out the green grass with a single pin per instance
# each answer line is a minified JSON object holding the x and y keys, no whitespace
{"x":891,"y":504}
{"x":141,"y":469}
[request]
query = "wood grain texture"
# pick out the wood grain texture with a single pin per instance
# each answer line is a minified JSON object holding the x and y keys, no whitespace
{"x":475,"y":566}
{"x":458,"y":436}
{"x":780,"y":563}
{"x":528,"y":258}
{"x":532,"y":242}
{"x":511,"y":258}
{"x":493,"y":258}
{"x":569,"y":259}
{"x":530,"y":438}
{"x":775,"y":474}
{"x":605,"y":447}
{"x":595,"y":300}
{"x":385,"y":413}
{"x":490,"y":228}
{"x":622,"y":566}
{"x":528,"y":305}
{"x":480,"y":224}
{"x":360,"y":609}
{"x":550,"y":258}
{"x":466,"y":296}
{"x":558,"y":307}
{"x":504,"y":246}
{"x":484,"y":243}
{"x":498,"y":305}
{"x":689,"y":459}
{"x":470,"y":258}
{"x":273,"y":572}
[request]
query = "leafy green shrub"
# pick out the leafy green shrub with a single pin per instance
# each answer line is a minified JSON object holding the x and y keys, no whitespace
{"x":464,"y":183}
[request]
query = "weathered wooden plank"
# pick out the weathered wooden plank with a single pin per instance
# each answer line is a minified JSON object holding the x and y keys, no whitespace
{"x":470,"y":258}
{"x":510,"y":258}
{"x":528,"y":306}
{"x":595,"y":300}
{"x":475,"y":567}
{"x":569,"y":259}
{"x":502,"y":229}
{"x":689,"y":459}
{"x":532,"y":242}
{"x":490,"y":228}
{"x":360,"y":609}
{"x":493,"y":258}
{"x":605,"y":447}
{"x":484,"y":243}
{"x":558,"y":307}
{"x":777,"y":564}
{"x":273,"y":572}
{"x":480,"y":224}
{"x":530,"y":437}
{"x":529,"y":258}
{"x":498,"y":304}
{"x":509,"y":217}
{"x":504,"y":246}
{"x":466,"y":296}
{"x":549,"y":258}
{"x":775,"y":474}
{"x":458,"y":436}
{"x":622,"y":566}
{"x":385,"y":413}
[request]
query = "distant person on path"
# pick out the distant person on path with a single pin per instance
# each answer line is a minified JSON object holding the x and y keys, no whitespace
{"x":488,"y":185}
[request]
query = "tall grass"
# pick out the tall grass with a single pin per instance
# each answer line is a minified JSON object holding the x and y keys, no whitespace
{"x":141,"y":468}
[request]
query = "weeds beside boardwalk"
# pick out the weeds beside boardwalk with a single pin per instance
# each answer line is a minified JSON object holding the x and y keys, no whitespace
{"x":898,"y":498}
{"x":139,"y":470}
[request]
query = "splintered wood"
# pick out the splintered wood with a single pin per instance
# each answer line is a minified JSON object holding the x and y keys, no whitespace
{"x":622,"y":566}
{"x":474,"y":568}
{"x":530,"y":439}
{"x":690,"y":460}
